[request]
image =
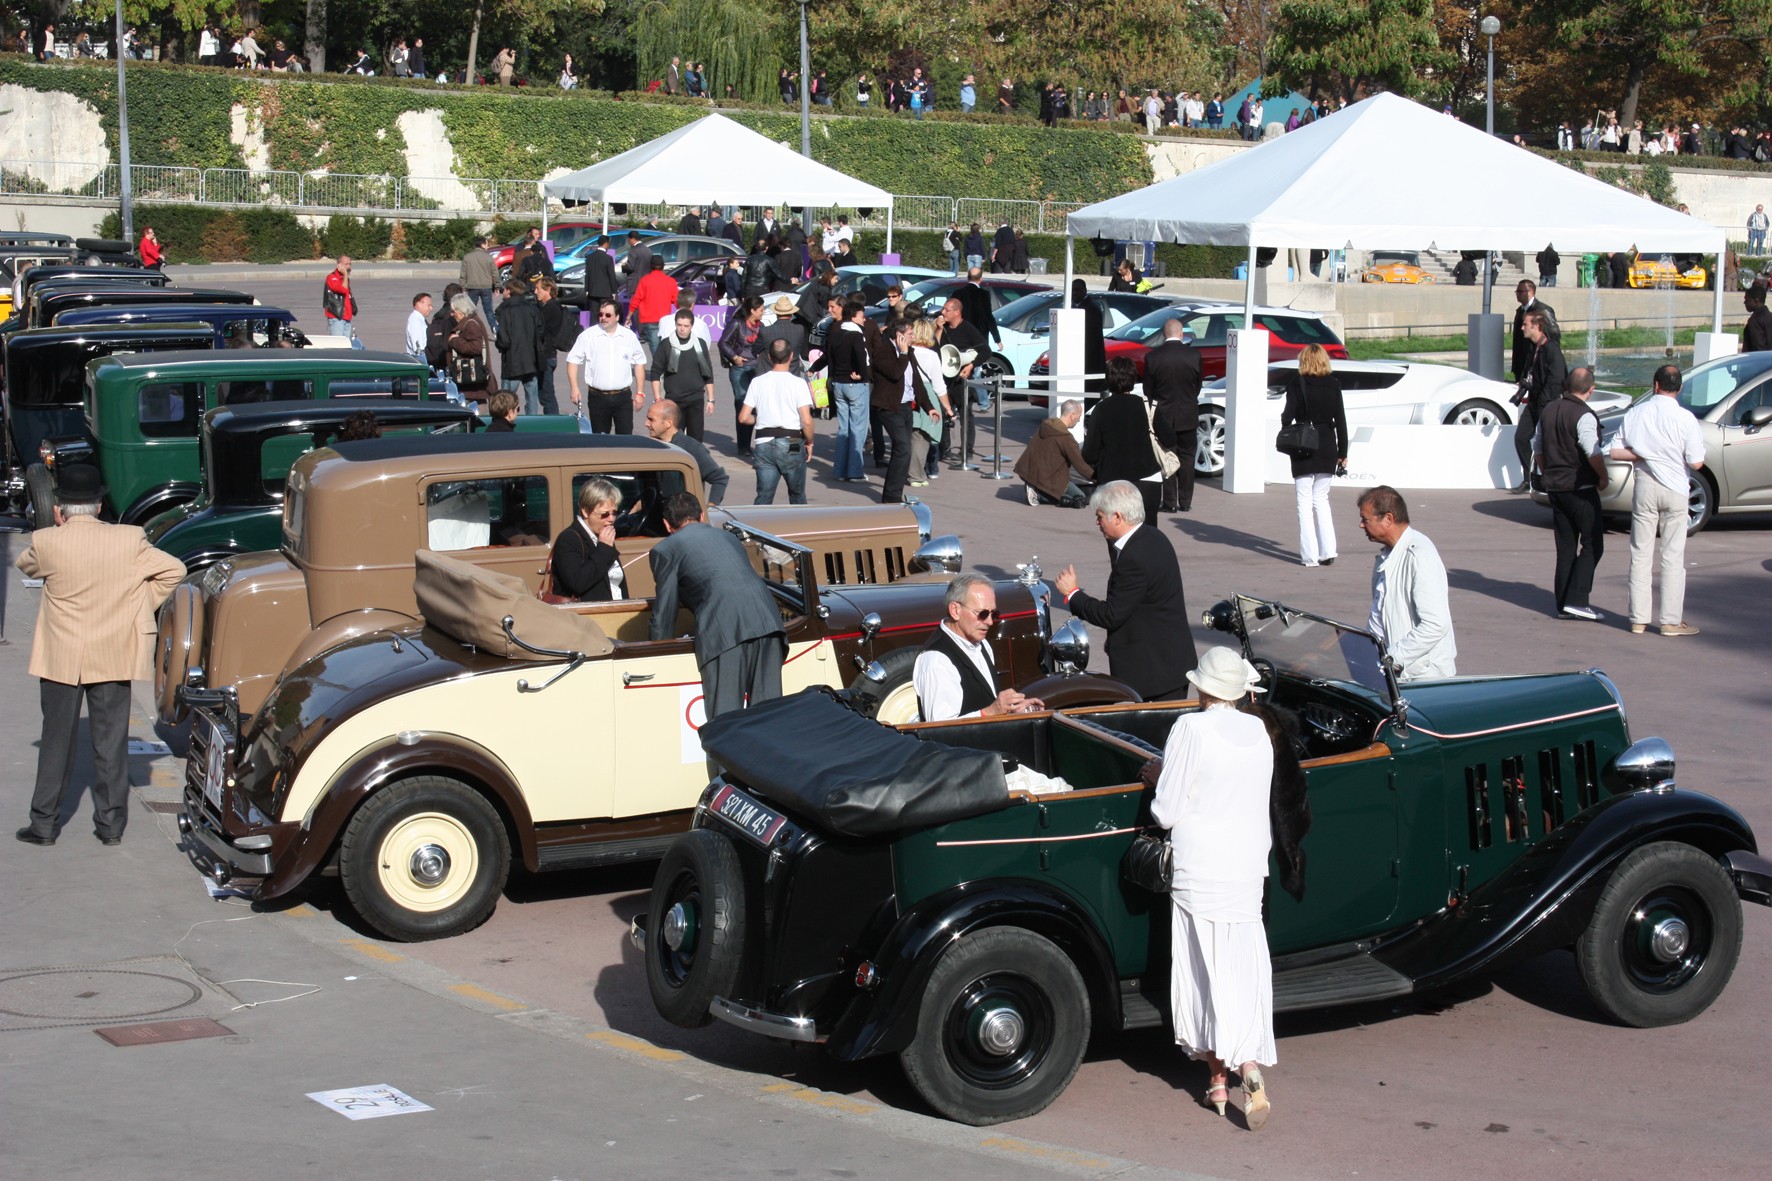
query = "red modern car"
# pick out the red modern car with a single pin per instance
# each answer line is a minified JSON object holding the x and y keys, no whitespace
{"x":1208,"y":325}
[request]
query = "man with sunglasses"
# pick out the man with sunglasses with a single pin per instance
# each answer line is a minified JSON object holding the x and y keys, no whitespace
{"x":956,"y":675}
{"x":614,"y":367}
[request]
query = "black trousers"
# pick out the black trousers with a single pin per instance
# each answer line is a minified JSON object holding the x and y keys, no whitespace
{"x":550,"y":403}
{"x":610,"y":414}
{"x":1178,"y":490}
{"x":107,"y":713}
{"x":695,"y":415}
{"x":1523,"y":432}
{"x":1581,"y":539}
{"x":897,"y":426}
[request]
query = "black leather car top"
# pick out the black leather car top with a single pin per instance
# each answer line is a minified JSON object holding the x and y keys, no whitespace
{"x":837,"y":772}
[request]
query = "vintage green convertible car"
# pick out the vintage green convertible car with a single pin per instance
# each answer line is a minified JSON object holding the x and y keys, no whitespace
{"x":886,"y":891}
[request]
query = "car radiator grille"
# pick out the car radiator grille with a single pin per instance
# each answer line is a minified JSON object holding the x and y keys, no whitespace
{"x":864,"y":566}
{"x":1501,"y":807}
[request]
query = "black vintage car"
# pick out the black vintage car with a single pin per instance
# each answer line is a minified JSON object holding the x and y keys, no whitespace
{"x":883,"y":891}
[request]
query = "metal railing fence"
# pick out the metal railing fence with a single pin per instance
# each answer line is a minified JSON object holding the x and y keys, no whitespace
{"x":317,"y":192}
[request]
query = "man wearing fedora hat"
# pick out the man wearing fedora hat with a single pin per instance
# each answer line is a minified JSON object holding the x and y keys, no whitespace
{"x":95,"y":628}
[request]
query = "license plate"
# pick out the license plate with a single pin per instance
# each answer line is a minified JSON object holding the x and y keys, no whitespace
{"x":215,"y":772}
{"x":755,"y":821}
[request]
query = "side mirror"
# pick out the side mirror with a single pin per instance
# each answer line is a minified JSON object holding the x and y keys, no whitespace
{"x":1069,"y":647}
{"x":1757,"y":418}
{"x":943,"y":554}
{"x":870,"y":624}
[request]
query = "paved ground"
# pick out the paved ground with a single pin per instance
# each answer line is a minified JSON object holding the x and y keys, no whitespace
{"x":534,"y":1038}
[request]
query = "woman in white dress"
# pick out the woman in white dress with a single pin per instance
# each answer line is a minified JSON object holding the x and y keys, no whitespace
{"x":1212,"y":796}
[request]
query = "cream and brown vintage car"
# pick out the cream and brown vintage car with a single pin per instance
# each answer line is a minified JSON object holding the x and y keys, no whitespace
{"x":355,"y":513}
{"x":413,"y":762}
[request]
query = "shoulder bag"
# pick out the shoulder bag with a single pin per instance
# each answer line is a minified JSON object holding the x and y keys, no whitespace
{"x":1167,"y":460}
{"x":1299,"y":439}
{"x":1149,"y":863}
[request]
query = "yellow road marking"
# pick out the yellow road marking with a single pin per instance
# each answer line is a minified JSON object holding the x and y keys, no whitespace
{"x":364,"y":947}
{"x":476,"y":993}
{"x":1045,"y":1152}
{"x":303,"y":911}
{"x":634,"y":1045}
{"x":839,"y":1103}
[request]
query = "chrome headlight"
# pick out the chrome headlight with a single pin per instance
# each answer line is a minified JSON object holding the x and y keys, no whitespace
{"x":1646,"y":766}
{"x":1069,"y":648}
{"x":943,"y":553}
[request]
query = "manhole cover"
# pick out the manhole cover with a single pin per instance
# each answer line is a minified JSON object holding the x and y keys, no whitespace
{"x":96,"y":994}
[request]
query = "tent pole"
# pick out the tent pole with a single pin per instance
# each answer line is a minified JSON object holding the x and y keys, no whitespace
{"x":544,"y":214}
{"x":1716,"y":324}
{"x":1249,"y":288}
{"x":1070,"y":261}
{"x":888,"y":227}
{"x":606,"y":221}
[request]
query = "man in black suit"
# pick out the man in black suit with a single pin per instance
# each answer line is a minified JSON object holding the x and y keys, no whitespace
{"x":636,"y":264}
{"x":1003,"y":248}
{"x":975,"y":306}
{"x":1149,"y":644}
{"x":585,"y":563}
{"x":1527,"y":294}
{"x":740,"y":641}
{"x":1543,"y":385}
{"x":1756,"y":334}
{"x":1172,"y":377}
{"x":600,"y":280}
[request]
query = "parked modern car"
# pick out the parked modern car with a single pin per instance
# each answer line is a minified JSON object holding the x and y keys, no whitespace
{"x":1395,"y":266}
{"x":1384,"y":393}
{"x":354,"y":514}
{"x":46,"y":395}
{"x":673,"y":248}
{"x":870,"y":280}
{"x":143,"y":411}
{"x":248,"y":448}
{"x":1025,"y":325}
{"x":908,"y":898}
{"x":393,"y":757}
{"x":1732,"y":397}
{"x":1209,"y":324}
{"x":566,"y":236}
{"x":930,"y":294}
{"x":1667,"y":270}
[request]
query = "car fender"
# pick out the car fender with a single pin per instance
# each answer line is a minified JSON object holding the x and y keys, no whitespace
{"x":332,"y":632}
{"x":379,"y":766}
{"x":1079,"y":689}
{"x":884,"y":1020}
{"x":155,"y":501}
{"x":1545,"y":899}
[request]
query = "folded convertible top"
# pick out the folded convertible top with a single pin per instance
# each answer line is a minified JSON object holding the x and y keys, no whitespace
{"x":844,"y":774}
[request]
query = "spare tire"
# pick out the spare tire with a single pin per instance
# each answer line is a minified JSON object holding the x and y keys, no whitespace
{"x":695,"y":927}
{"x":893,"y":701}
{"x":40,"y":488}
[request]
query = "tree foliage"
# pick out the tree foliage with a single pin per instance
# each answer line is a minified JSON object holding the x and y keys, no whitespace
{"x":744,"y":43}
{"x":1352,"y":48}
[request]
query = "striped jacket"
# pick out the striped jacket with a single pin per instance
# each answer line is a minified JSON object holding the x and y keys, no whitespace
{"x":101,"y":586}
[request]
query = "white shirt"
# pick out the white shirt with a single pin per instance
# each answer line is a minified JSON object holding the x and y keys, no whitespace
{"x":1666,"y":439}
{"x":830,"y":239}
{"x":608,"y":357}
{"x":417,"y":330}
{"x":1412,"y":608}
{"x":1212,"y":796}
{"x":775,"y":398}
{"x":937,"y":681}
{"x":206,"y":45}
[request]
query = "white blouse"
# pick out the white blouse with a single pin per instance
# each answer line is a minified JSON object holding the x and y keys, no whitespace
{"x":1213,"y":795}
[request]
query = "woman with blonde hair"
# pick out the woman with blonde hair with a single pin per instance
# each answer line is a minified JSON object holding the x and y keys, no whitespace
{"x":1314,"y":397}
{"x":930,"y":406}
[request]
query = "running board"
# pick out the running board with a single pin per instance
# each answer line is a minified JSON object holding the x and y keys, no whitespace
{"x":1346,"y":981}
{"x":587,"y":854}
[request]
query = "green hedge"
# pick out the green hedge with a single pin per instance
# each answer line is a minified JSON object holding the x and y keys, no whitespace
{"x":441,"y":241}
{"x":190,"y":234}
{"x":365,"y":237}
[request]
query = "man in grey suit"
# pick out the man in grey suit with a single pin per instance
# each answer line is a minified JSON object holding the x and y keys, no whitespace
{"x":740,"y":641}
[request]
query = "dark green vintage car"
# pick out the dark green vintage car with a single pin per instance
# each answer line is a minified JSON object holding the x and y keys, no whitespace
{"x":248,"y":450}
{"x":886,"y":891}
{"x":143,"y":411}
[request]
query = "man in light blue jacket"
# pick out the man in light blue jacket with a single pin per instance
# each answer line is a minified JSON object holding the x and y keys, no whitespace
{"x":1411,"y":604}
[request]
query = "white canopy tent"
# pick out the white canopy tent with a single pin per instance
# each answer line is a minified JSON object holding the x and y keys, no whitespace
{"x":715,"y":157}
{"x":1389,"y":173}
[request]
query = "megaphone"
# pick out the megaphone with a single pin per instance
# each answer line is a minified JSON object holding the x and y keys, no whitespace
{"x":953,"y":360}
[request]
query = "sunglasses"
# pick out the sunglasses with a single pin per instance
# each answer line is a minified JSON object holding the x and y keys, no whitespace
{"x":605,"y":315}
{"x":984,"y":616}
{"x":606,"y":514}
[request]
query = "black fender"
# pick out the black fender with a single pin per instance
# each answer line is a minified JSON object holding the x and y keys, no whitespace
{"x":202,"y":559}
{"x":884,"y":1020}
{"x":155,"y":501}
{"x":1545,"y":899}
{"x":1080,"y":689}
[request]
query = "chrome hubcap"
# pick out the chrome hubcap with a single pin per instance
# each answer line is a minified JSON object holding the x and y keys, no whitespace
{"x":1001,"y":1032}
{"x":429,"y":864}
{"x":676,"y":927}
{"x":1669,"y":939}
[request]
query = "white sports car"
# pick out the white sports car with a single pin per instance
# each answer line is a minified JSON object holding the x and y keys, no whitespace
{"x":1386,"y":393}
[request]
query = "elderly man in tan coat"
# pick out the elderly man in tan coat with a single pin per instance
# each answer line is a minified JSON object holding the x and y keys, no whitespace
{"x":95,"y":629}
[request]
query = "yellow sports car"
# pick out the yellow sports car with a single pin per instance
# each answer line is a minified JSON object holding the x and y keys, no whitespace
{"x":1395,"y":266}
{"x":1661,"y":271}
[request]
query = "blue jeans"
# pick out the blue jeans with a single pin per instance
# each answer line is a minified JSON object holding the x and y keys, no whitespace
{"x":954,"y":260}
{"x":550,"y":401}
{"x":974,"y":260}
{"x":483,"y":297}
{"x":530,"y":389}
{"x":339,"y":327}
{"x":775,"y":460}
{"x":740,"y":378}
{"x":851,"y":399}
{"x":1756,"y":241}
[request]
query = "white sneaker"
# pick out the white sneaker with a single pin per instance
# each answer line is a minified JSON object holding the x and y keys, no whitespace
{"x":1033,"y":497}
{"x":1587,"y":613}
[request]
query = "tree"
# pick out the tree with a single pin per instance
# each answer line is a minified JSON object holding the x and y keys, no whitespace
{"x":314,"y":41}
{"x":1352,"y":48}
{"x":743,"y":42}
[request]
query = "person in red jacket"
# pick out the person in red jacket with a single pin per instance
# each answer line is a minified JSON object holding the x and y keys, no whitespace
{"x":340,"y":304}
{"x":655,"y":297}
{"x":149,"y":249}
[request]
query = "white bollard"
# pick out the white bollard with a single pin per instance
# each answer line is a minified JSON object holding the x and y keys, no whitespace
{"x":1246,"y":438}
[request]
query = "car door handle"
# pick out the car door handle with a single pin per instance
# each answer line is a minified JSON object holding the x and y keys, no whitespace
{"x":635,"y":678}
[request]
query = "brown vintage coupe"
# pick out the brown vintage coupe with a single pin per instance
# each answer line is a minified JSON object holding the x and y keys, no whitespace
{"x":355,"y":513}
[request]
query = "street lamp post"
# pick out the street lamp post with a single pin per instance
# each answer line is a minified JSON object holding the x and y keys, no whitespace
{"x":1483,"y":348}
{"x":128,"y":210}
{"x":805,"y":108}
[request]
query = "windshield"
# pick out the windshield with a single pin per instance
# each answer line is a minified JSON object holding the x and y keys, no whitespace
{"x":1710,"y":384}
{"x":1310,"y":646}
{"x":928,"y":289}
{"x":1028,"y":307}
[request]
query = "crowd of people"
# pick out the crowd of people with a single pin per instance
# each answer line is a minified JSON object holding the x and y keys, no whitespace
{"x":1604,"y":133}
